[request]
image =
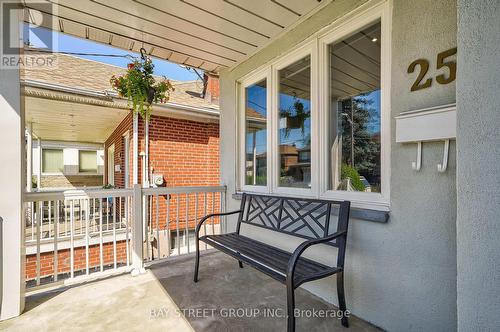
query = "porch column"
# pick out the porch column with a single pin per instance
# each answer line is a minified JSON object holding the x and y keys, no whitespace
{"x":29,"y":156}
{"x":478,"y":167}
{"x":12,"y":180}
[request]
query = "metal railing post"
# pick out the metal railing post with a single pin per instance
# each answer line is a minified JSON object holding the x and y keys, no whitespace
{"x":137,"y":239}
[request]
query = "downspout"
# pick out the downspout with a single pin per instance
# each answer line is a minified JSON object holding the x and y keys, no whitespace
{"x":135,"y":150}
{"x":39,"y":173}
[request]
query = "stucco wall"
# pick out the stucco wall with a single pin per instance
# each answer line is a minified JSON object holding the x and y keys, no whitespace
{"x":478,"y":137}
{"x":400,"y":275}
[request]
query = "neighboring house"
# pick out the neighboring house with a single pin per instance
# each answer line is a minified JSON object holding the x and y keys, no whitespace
{"x":82,"y":131}
{"x":67,"y":165}
{"x":81,"y":136}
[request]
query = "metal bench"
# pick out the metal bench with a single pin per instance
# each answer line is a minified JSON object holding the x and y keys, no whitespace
{"x":304,"y":218}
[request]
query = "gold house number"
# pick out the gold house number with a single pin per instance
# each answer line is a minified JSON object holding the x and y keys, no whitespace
{"x":424,"y":67}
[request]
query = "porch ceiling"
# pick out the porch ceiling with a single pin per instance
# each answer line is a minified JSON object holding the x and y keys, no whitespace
{"x":70,"y":121}
{"x":205,"y":34}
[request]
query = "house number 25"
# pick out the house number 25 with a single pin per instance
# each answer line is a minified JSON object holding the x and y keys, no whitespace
{"x":420,"y":84}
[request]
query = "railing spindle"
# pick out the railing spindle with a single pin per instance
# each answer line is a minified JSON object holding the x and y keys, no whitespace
{"x":187,"y":223}
{"x":101,"y":249}
{"x":177,"y":227}
{"x":87,"y":236}
{"x":72,"y":240}
{"x":158,"y":226}
{"x":114,"y":232}
{"x":56,"y":234}
{"x":38,"y":234}
{"x":167,"y":226}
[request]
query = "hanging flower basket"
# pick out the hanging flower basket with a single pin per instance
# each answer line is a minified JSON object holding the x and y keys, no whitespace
{"x":294,"y":117}
{"x":140,"y":87}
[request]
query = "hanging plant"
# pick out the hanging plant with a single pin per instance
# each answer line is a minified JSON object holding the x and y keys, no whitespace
{"x":295,"y":117}
{"x":140,"y":87}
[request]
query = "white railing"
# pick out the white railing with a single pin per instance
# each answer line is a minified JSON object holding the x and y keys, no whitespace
{"x":74,"y":234}
{"x":173,"y":214}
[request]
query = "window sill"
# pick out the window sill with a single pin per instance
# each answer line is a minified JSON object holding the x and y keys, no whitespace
{"x":356,"y":213}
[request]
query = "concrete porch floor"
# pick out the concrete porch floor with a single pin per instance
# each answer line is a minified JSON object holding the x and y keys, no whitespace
{"x":226,"y":298}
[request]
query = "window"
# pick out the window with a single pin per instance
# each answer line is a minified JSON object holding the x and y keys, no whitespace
{"x":182,"y":240}
{"x":52,"y":161}
{"x":256,"y":134}
{"x":355,"y":112}
{"x":324,"y":130}
{"x":294,"y":105}
{"x":87,"y":161}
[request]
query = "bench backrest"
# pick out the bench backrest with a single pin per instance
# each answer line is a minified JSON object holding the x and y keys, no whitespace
{"x":301,"y":217}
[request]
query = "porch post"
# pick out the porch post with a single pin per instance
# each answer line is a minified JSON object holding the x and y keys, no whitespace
{"x":137,"y":239}
{"x":29,"y":157}
{"x":12,"y":180}
{"x":135,"y":149}
{"x":39,"y":172}
{"x":478,"y":167}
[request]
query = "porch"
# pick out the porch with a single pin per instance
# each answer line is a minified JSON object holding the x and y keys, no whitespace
{"x":165,"y":299}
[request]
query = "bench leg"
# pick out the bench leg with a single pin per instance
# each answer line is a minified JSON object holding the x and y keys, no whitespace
{"x":196,"y":261}
{"x":290,"y":303}
{"x":240,"y":264}
{"x":341,"y":297}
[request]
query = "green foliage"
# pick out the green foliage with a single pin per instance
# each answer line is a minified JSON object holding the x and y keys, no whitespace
{"x":347,"y":171}
{"x":260,"y":180}
{"x":140,"y":88}
{"x":366,"y":144}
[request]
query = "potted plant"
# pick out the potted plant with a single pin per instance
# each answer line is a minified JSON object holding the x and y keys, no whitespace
{"x":140,"y":87}
{"x":295,"y":117}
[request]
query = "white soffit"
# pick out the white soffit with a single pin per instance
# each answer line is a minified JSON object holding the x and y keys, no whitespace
{"x":205,"y":34}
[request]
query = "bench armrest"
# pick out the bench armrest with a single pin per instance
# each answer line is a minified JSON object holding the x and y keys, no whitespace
{"x":198,"y":227}
{"x":302,"y":247}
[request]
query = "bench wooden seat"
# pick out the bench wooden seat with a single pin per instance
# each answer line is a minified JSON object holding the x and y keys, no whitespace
{"x":308,"y":219}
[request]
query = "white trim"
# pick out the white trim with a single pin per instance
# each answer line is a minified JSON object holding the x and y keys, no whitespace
{"x":241,"y":116}
{"x":315,"y":45}
{"x":378,"y":201}
{"x":308,"y":49}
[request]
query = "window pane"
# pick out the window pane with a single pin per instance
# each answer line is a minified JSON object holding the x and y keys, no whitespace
{"x":88,"y":161}
{"x":354,"y":142}
{"x":295,"y":124}
{"x":52,"y":161}
{"x":256,"y":134}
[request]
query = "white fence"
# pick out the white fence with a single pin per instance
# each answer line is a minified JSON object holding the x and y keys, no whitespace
{"x":72,"y":235}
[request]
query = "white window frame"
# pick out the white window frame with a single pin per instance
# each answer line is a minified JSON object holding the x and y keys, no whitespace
{"x":377,"y":201}
{"x":243,"y":84}
{"x":303,"y":51}
{"x":317,"y":47}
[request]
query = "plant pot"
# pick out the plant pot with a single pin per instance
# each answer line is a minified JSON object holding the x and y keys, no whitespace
{"x":293,"y":122}
{"x":151,"y":95}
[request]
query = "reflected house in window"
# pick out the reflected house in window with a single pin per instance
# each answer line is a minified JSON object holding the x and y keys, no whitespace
{"x":296,"y":163}
{"x":256,"y":155}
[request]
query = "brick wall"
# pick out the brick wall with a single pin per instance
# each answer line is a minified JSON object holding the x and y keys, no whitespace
{"x":70,"y":181}
{"x":64,"y":260}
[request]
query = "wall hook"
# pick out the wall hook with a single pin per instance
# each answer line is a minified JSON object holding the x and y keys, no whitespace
{"x":416,"y":165}
{"x":442,"y":167}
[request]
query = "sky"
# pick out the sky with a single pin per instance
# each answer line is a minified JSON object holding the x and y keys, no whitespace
{"x":67,"y":43}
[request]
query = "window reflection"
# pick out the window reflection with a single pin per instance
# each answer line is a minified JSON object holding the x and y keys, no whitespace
{"x":256,"y":134}
{"x":295,"y":124}
{"x":355,"y":112}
